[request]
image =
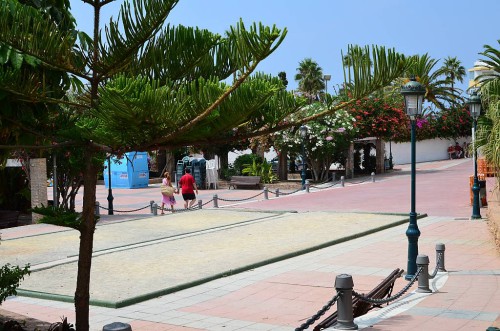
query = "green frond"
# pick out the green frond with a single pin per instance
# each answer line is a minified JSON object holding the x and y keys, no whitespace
{"x":141,"y":20}
{"x":27,"y":31}
{"x":369,"y":70}
{"x":179,"y":54}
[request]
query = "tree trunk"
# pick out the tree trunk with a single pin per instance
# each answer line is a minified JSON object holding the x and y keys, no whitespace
{"x":282,"y":165}
{"x":87,"y":227}
{"x":170,"y":164}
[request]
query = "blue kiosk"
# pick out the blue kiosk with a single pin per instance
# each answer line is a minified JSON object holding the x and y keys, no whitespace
{"x":130,"y":171}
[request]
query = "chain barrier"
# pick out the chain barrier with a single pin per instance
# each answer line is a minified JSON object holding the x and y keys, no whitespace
{"x":391,"y":298}
{"x":288,"y":193}
{"x":324,"y":187}
{"x":125,"y":211}
{"x":206,"y":203}
{"x":320,"y":313}
{"x":438,"y":261}
{"x":236,"y":200}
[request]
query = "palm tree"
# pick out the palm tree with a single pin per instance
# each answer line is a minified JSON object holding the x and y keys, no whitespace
{"x":453,"y":70}
{"x":488,"y":130}
{"x":310,"y":78}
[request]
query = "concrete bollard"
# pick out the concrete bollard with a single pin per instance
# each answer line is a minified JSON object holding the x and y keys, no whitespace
{"x":345,"y":320}
{"x":373,"y":177}
{"x":155,"y":209}
{"x":440,"y":248}
{"x":117,"y":326}
{"x":342,"y":181}
{"x":307,"y":185}
{"x":96,"y":208}
{"x":200,"y":204}
{"x":151,"y":205}
{"x":423,"y":277}
{"x":266,"y":193}
{"x":277,"y":193}
{"x":216,"y":201}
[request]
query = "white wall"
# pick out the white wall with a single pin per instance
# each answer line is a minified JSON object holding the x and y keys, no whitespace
{"x":426,"y":150}
{"x":268,"y":155}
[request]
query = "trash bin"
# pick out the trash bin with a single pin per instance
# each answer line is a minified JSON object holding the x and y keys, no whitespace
{"x":482,"y":190}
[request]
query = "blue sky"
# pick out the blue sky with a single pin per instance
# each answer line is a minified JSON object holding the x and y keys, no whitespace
{"x":320,"y":29}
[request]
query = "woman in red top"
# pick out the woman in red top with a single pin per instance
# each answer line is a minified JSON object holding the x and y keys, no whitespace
{"x":188,"y":186}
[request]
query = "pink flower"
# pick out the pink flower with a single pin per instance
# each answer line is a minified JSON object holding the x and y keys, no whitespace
{"x":329,"y":138}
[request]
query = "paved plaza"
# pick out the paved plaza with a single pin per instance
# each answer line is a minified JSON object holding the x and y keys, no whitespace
{"x":268,"y":264}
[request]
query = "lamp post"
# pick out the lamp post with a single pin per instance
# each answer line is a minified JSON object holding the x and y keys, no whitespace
{"x":110,"y":190}
{"x":303,"y":135}
{"x":475,"y":110}
{"x":413,"y":93}
{"x":326,"y":78}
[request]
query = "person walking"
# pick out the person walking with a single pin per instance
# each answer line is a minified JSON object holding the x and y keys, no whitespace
{"x":188,"y":187}
{"x":167,"y":198}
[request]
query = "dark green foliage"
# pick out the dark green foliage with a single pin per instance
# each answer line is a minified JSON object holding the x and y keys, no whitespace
{"x":59,"y":216}
{"x":10,"y":278}
{"x":245,"y":159}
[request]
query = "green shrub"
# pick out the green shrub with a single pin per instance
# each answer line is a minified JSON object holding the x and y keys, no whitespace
{"x":245,"y":159}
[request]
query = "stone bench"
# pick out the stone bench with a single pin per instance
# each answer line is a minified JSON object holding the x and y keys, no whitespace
{"x":244,"y":181}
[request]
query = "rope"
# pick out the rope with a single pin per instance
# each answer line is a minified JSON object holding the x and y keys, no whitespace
{"x":434,"y":273}
{"x":320,"y":313}
{"x":390,"y":298}
{"x":126,"y":211}
{"x":235,"y":200}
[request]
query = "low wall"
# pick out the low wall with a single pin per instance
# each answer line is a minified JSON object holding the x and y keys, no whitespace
{"x":493,"y":214}
{"x":426,"y":150}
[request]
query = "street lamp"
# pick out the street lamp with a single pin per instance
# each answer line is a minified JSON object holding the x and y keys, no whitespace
{"x":413,"y":93}
{"x":475,"y":110}
{"x":326,"y":79}
{"x":303,"y":135}
{"x":110,"y":190}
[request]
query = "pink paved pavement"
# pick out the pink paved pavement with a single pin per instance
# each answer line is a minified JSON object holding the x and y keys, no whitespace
{"x":281,"y":296}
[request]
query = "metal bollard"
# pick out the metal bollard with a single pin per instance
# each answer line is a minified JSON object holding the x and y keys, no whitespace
{"x":440,"y":248}
{"x":373,"y":177}
{"x":151,"y":205}
{"x":96,"y":208}
{"x":277,"y":193}
{"x":342,"y":181}
{"x":117,"y":326}
{"x":307,"y":185}
{"x":216,"y":201}
{"x":345,"y":320}
{"x":200,"y":204}
{"x":423,"y":277}
{"x":155,"y":209}
{"x":266,"y":193}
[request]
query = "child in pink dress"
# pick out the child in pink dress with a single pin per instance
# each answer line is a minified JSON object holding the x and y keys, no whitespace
{"x":165,"y":199}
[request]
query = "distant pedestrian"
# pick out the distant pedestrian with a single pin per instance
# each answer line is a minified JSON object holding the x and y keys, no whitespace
{"x":188,"y":187}
{"x":466,"y":149}
{"x":167,"y":195}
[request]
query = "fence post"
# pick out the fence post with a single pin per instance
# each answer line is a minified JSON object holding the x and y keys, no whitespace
{"x":307,"y":185}
{"x":277,"y":193}
{"x":373,"y":177}
{"x":155,"y":209}
{"x":345,"y":320}
{"x":216,"y":201}
{"x":200,"y":204}
{"x":423,"y":277}
{"x":440,"y":248}
{"x":151,"y":205}
{"x":96,"y":208}
{"x":342,"y":181}
{"x":266,"y":193}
